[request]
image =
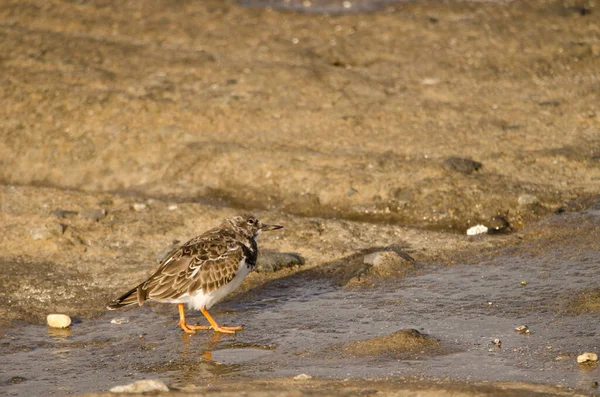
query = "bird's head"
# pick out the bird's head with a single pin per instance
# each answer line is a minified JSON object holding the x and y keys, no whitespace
{"x":249,"y":225}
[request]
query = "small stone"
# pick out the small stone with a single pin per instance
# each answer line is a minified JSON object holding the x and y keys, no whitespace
{"x":497,"y":342}
{"x":527,"y":199}
{"x":93,"y":215}
{"x":61,"y":214}
{"x":464,"y":166}
{"x":141,"y":386}
{"x":498,"y":225}
{"x":47,"y":231}
{"x":140,"y":207}
{"x":522,"y":329}
{"x":477,"y":229}
{"x":523,"y":283}
{"x":430,"y":81}
{"x":58,"y":320}
{"x":122,"y":320}
{"x":172,"y":207}
{"x":302,"y":377}
{"x":587,"y":358}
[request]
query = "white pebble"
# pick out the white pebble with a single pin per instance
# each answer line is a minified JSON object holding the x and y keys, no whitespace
{"x":475,"y":230}
{"x":119,"y":320}
{"x":172,"y":207}
{"x":140,"y":206}
{"x":58,"y":320}
{"x":587,"y":358}
{"x":302,"y":377}
{"x":522,"y":329}
{"x":141,"y":386}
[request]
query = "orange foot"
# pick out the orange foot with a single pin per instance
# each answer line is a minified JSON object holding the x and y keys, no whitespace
{"x":226,"y":330}
{"x":217,"y":327}
{"x":191,"y":329}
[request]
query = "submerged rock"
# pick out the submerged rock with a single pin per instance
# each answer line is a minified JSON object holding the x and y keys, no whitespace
{"x":372,"y":263}
{"x":402,"y":344}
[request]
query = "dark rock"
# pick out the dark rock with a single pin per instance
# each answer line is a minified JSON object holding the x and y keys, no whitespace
{"x":61,"y":214}
{"x":93,"y":215}
{"x":464,"y":166}
{"x":270,"y":261}
{"x":498,"y":225}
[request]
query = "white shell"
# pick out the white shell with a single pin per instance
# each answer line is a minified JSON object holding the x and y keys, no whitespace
{"x":475,"y":230}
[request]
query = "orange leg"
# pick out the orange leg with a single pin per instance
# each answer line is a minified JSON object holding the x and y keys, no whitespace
{"x":217,"y":327}
{"x":190,"y":329}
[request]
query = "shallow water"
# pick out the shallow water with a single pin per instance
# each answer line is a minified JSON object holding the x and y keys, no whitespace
{"x":297,"y":325}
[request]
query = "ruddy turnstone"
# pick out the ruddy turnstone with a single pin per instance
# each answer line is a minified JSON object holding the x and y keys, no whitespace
{"x":202,"y":271}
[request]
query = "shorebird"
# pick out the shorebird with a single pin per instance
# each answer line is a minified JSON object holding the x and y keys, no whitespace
{"x":202,"y":271}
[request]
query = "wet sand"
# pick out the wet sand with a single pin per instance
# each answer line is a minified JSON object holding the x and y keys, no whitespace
{"x":127,"y":126}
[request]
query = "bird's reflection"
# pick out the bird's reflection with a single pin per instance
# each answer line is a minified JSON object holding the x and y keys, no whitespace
{"x":190,"y":350}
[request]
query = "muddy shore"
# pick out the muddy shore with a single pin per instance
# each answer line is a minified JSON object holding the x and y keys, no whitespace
{"x":376,"y":138}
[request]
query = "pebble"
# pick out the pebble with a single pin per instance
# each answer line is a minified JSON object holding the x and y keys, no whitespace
{"x":477,"y":229}
{"x":172,"y":207}
{"x":60,"y":214}
{"x":498,"y":225}
{"x":302,"y":377}
{"x":47,"y":231}
{"x":141,"y":386}
{"x":140,"y":206}
{"x":464,"y":166}
{"x":497,"y":342}
{"x":522,"y":329}
{"x":58,"y":320}
{"x":527,"y":199}
{"x":587,"y":358}
{"x":122,"y":320}
{"x":93,"y":215}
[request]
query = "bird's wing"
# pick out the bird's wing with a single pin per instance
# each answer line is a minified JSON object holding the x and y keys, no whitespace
{"x":206,"y":262}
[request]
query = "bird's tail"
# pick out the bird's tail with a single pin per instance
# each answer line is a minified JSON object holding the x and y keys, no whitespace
{"x":135,"y":296}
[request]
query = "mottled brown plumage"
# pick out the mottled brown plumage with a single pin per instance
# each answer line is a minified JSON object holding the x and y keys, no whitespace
{"x":202,"y":271}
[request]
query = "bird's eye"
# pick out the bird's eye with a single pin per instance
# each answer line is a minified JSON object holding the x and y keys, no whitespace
{"x":251,"y":221}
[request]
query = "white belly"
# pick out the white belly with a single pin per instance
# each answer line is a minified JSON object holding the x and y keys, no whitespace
{"x":200,"y":300}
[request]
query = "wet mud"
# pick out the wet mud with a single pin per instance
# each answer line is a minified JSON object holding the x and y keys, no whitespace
{"x":301,"y":324}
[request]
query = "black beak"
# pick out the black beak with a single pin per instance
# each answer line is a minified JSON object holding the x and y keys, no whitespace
{"x":266,"y":228}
